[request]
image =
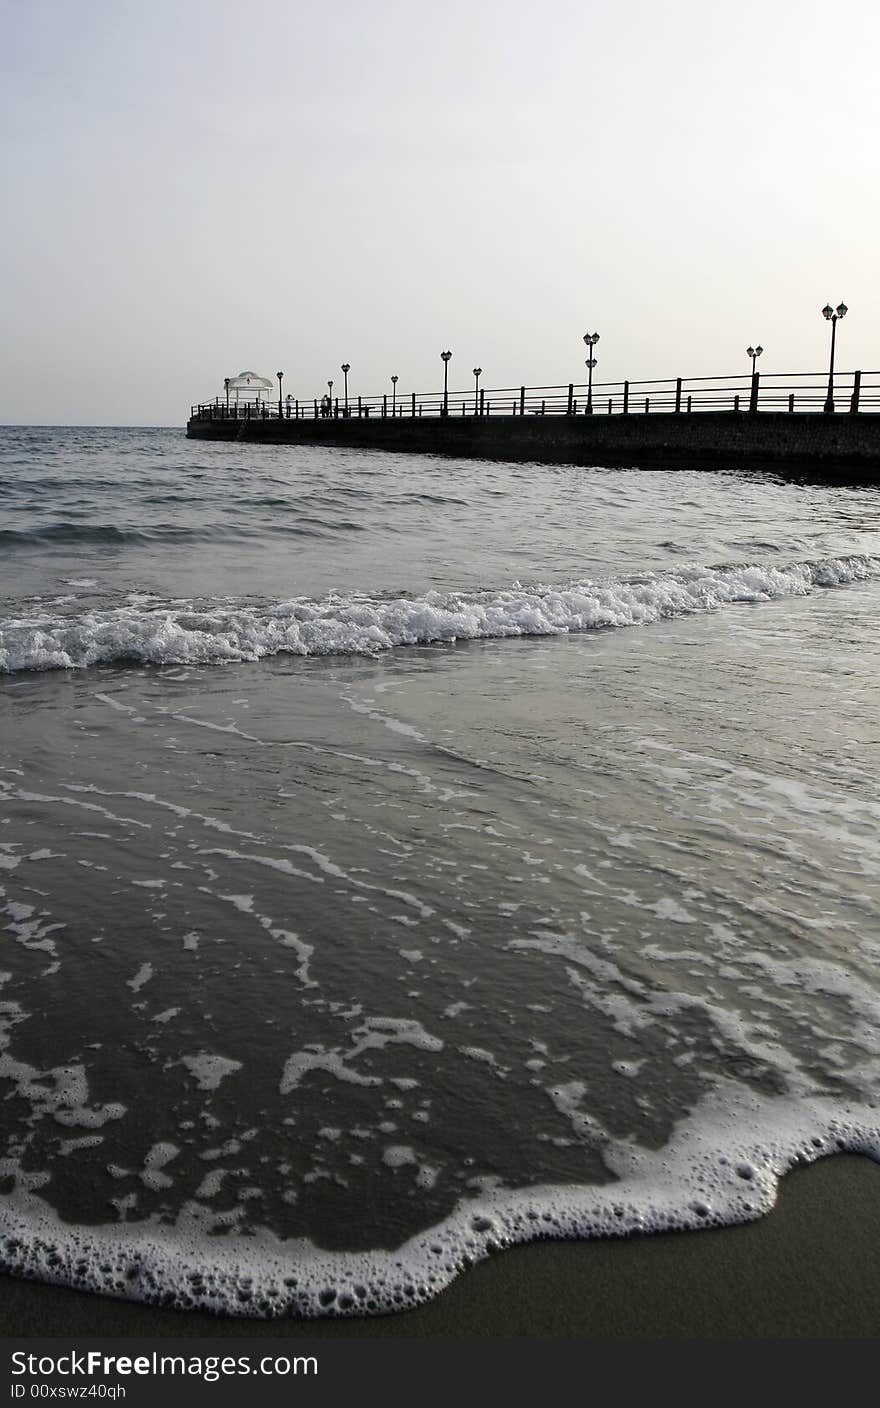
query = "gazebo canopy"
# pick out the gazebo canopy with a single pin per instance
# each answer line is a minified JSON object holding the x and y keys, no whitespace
{"x":249,"y":381}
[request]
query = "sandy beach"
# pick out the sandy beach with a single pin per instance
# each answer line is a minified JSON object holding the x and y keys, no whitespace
{"x":809,"y":1270}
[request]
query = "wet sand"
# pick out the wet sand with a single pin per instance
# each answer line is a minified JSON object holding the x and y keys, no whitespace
{"x":809,"y":1270}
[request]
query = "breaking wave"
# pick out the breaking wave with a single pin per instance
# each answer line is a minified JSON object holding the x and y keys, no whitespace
{"x":217,"y":632}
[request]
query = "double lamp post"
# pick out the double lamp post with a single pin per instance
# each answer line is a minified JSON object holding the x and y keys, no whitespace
{"x":590,"y":338}
{"x":832,"y":315}
{"x":445,"y":358}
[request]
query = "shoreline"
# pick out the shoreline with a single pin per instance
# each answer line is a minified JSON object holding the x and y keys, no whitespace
{"x":808,"y":1270}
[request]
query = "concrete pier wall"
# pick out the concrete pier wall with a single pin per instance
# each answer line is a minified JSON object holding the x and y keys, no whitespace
{"x":708,"y":440}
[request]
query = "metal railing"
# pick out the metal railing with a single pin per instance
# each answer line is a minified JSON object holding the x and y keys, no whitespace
{"x":852,"y":392}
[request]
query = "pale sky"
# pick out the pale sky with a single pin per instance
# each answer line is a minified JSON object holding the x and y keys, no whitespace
{"x":192,"y":188}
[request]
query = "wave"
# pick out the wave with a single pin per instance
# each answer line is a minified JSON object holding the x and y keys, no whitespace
{"x":77,"y":533}
{"x":81,"y":535}
{"x":185,"y":633}
{"x":722,"y":1169}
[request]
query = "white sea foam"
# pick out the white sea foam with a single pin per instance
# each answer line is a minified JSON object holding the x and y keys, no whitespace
{"x":209,"y":1069}
{"x":142,"y":976}
{"x":62,"y":1092}
{"x":29,"y":927}
{"x":722,"y":1166}
{"x":398,"y":1155}
{"x":286,"y":937}
{"x":187,"y":633}
{"x":375,"y":1033}
{"x":87,"y":1141}
{"x":156,"y":1160}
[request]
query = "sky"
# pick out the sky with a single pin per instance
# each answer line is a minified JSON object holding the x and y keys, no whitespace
{"x":200,"y":187}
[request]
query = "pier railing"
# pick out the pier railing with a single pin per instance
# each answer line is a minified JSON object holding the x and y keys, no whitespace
{"x":852,"y":392}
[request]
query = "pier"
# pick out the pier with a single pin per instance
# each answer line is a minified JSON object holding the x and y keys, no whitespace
{"x":786,"y":421}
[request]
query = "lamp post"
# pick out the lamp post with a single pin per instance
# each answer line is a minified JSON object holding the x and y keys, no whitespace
{"x":445,"y":356}
{"x":345,"y":369}
{"x":330,"y":389}
{"x":832,"y":314}
{"x":478,"y":372}
{"x":590,"y":338}
{"x":280,"y":407}
{"x":393,"y":396}
{"x":754,"y":353}
{"x":226,"y":381}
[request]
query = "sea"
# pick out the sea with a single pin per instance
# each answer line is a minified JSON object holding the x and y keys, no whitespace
{"x":404,"y":857}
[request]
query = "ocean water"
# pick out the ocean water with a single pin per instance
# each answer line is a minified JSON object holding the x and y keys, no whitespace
{"x":404,"y":857}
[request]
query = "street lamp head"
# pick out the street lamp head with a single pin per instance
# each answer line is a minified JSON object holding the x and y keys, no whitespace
{"x":346,"y":367}
{"x":828,"y":312}
{"x":279,"y":375}
{"x":478,"y":371}
{"x":445,"y":356}
{"x":394,"y":379}
{"x":591,"y":362}
{"x":750,"y":352}
{"x":590,"y":338}
{"x":758,"y":350}
{"x":841,"y":310}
